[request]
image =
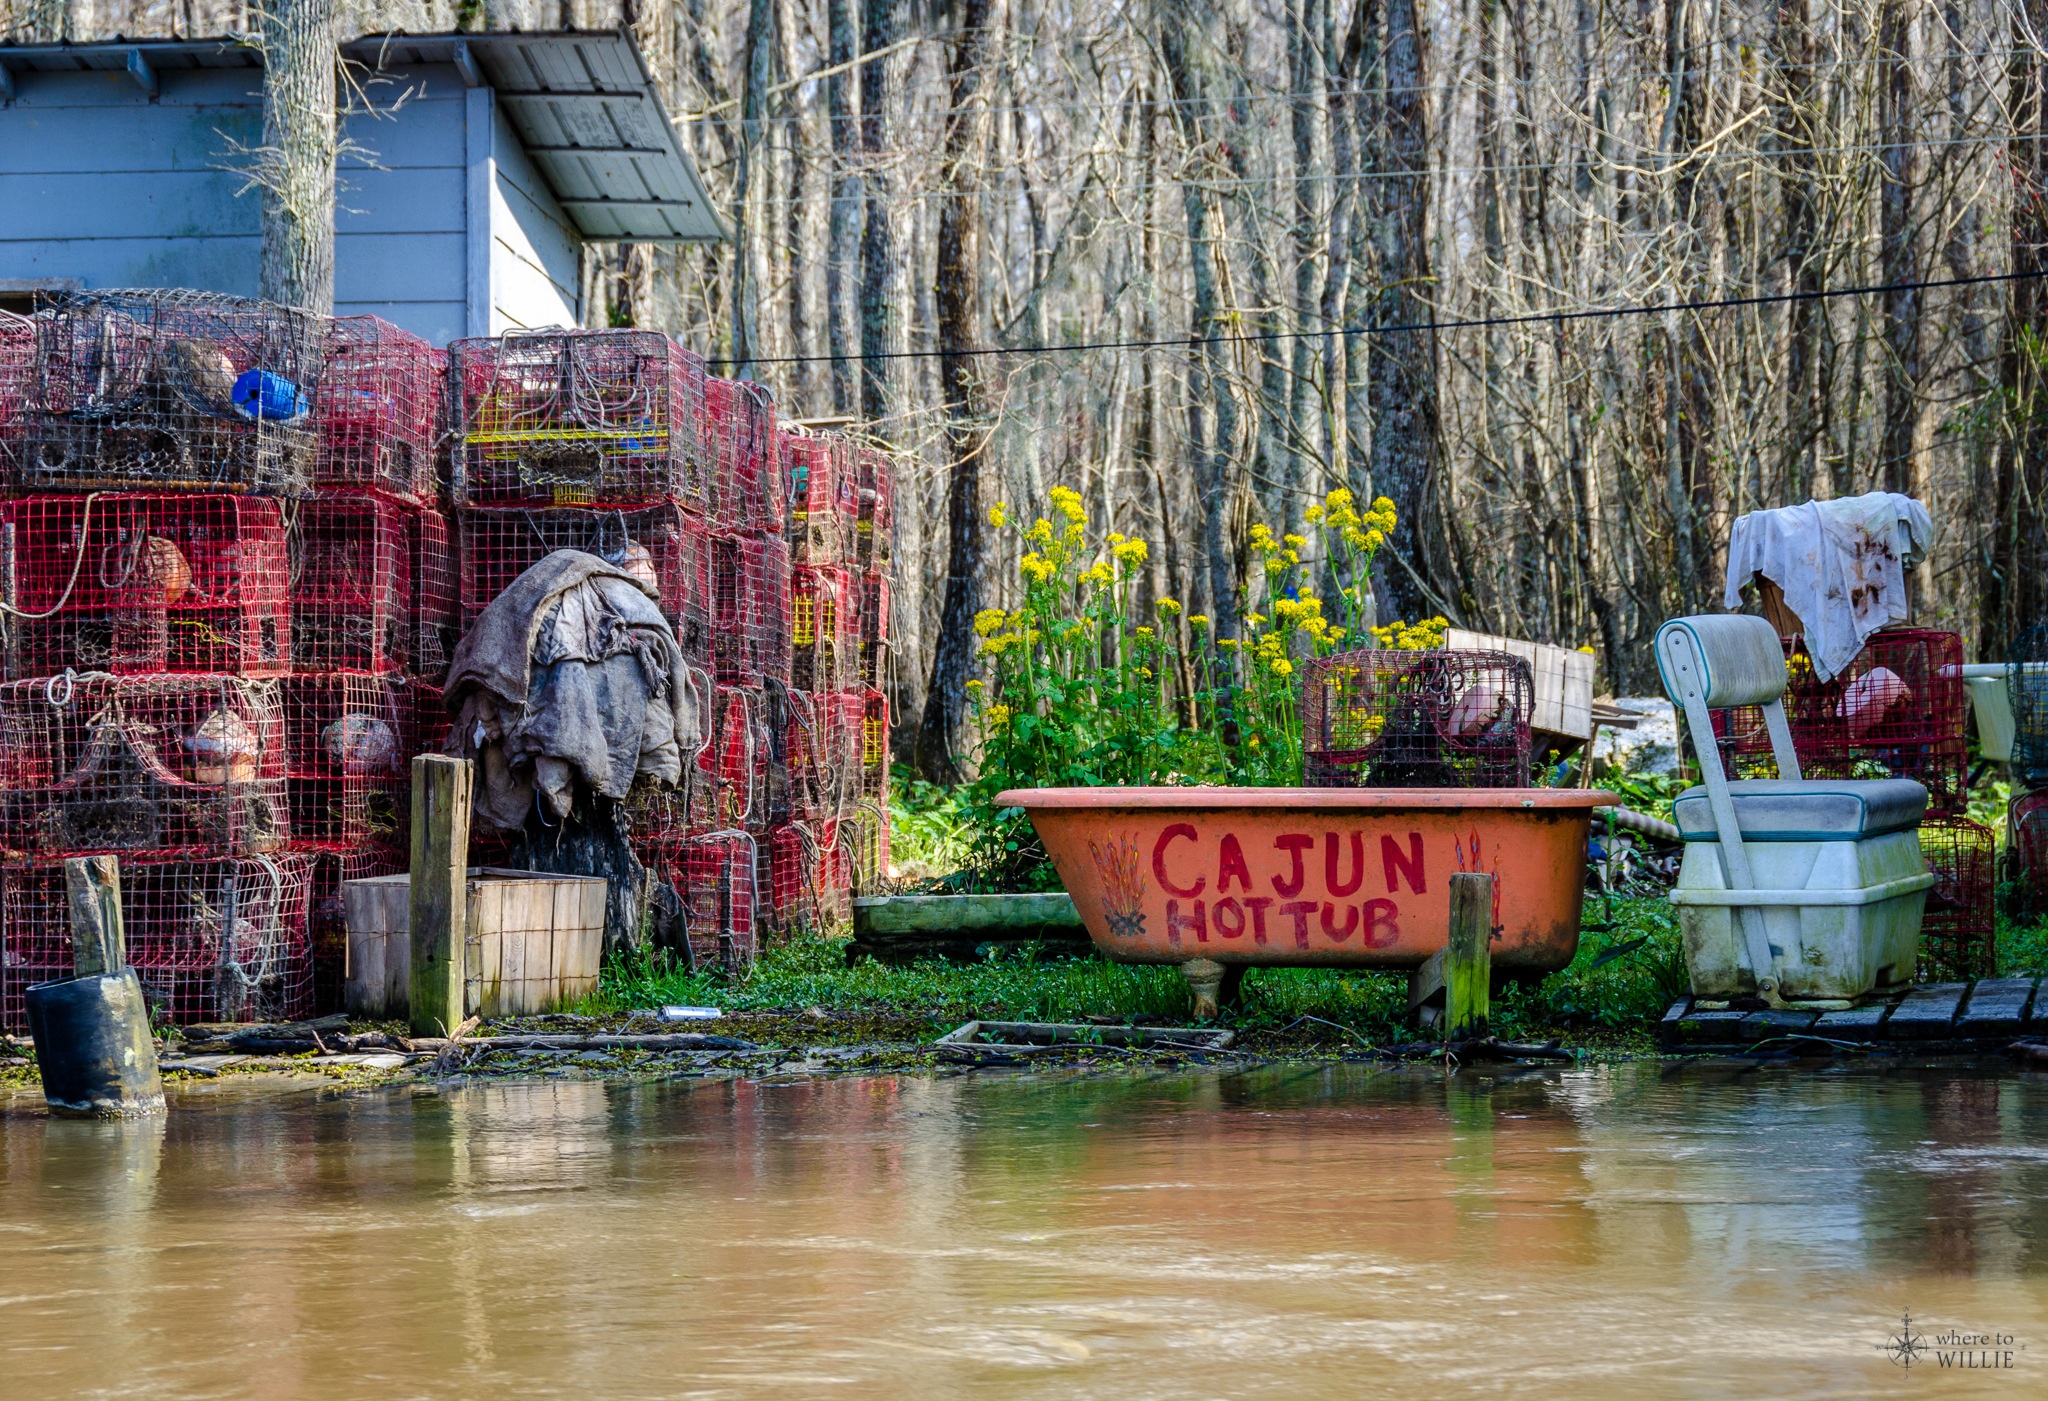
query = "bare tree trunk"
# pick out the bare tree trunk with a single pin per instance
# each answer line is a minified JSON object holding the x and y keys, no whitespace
{"x":842,"y":253}
{"x":300,"y":50}
{"x":881,"y":286}
{"x":956,"y":291}
{"x":752,"y":189}
{"x":1403,"y":381}
{"x":1902,"y":467}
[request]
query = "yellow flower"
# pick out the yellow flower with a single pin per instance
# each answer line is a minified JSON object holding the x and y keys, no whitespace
{"x":999,"y":716}
{"x":988,"y":620}
{"x":1198,"y":620}
{"x":1340,"y":497}
{"x":999,"y":515}
{"x":1282,"y":667}
{"x":1067,"y":502}
{"x":1226,"y":642}
{"x":1099,"y":575}
{"x":1294,"y":542}
{"x":1168,"y":607}
{"x":1255,"y":618}
{"x":976,"y":684}
{"x":1040,"y":533}
{"x":1036,"y":566}
{"x":1130,"y":553}
{"x":1314,"y":514}
{"x":1374,"y":539}
{"x":1144,"y":632}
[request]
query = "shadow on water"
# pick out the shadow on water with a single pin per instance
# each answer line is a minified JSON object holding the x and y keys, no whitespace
{"x":1342,"y":1230}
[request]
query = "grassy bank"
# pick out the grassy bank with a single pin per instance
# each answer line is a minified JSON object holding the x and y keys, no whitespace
{"x":1621,"y":981}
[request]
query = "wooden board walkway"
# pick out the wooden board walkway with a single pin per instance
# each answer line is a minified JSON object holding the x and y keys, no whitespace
{"x":1975,"y":1016}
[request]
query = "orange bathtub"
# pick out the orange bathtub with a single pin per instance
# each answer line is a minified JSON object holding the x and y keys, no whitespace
{"x":1316,"y":877}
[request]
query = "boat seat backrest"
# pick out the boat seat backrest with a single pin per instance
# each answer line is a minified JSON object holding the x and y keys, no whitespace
{"x":1728,"y":659}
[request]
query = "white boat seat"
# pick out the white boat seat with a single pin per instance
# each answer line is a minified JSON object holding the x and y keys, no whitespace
{"x":1812,"y":810}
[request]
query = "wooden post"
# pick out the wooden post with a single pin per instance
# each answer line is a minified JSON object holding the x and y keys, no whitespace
{"x":440,"y":891}
{"x":98,"y":943}
{"x":1469,"y":968}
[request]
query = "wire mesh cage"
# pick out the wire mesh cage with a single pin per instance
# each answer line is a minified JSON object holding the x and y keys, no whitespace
{"x":2026,"y":897}
{"x":874,"y":628}
{"x":866,"y":837}
{"x":153,"y":763}
{"x":875,"y":527}
{"x":580,"y":418}
{"x":378,"y":410}
{"x":717,"y":888}
{"x":222,"y":939}
{"x":351,"y":583}
{"x":327,"y":917}
{"x":660,"y":545}
{"x":874,"y":748}
{"x":824,"y":622}
{"x":152,"y":388}
{"x":141,"y":584}
{"x":349,"y":741}
{"x":1441,"y":719}
{"x":1958,"y":928}
{"x":17,"y":360}
{"x":435,"y":616}
{"x":835,"y":874}
{"x":824,"y":748}
{"x":1897,"y":711}
{"x":824,"y":498}
{"x":793,"y":876}
{"x":740,"y":433}
{"x":2026,"y":686}
{"x":750,"y":608}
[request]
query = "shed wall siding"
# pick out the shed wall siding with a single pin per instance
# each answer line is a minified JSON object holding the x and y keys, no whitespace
{"x":100,"y":184}
{"x":535,"y":255}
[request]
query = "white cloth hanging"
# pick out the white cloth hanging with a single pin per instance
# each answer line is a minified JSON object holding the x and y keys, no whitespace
{"x":1841,"y":564}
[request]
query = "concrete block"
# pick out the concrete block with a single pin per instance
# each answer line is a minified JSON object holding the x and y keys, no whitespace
{"x":1997,"y":1009}
{"x":1856,"y":1024}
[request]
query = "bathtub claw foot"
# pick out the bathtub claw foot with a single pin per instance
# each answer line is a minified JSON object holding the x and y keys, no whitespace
{"x":1205,"y":981}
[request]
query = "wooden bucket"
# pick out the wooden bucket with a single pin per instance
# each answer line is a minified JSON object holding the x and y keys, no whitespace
{"x":534,"y":943}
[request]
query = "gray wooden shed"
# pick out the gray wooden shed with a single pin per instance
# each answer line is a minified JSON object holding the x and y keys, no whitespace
{"x":478,"y":170}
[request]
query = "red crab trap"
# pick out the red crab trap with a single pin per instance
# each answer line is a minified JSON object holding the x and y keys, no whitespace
{"x":660,"y":545}
{"x":874,"y":627}
{"x":716,"y":890}
{"x":1437,"y":719}
{"x":157,"y":763}
{"x":435,"y":612}
{"x":824,"y":754}
{"x":349,"y":742}
{"x":378,"y":409}
{"x":159,"y":388}
{"x":741,"y":438}
{"x":140,"y":584}
{"x":874,"y":748}
{"x":351,"y":583}
{"x":2025,"y":895}
{"x":1897,"y":711}
{"x":579,"y":417}
{"x":875,"y":528}
{"x":824,"y":630}
{"x":724,"y":780}
{"x":793,"y":875}
{"x":220,"y":939}
{"x":750,"y":608}
{"x":1958,"y":927}
{"x":17,"y":360}
{"x":824,"y":497}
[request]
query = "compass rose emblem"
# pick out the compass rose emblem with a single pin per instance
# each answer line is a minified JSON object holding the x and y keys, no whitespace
{"x":1905,"y":1346}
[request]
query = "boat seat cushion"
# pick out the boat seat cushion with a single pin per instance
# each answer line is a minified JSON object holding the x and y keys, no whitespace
{"x":1809,"y":810}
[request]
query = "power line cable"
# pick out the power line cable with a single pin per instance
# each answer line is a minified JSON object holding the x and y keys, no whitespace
{"x":1465,"y":324}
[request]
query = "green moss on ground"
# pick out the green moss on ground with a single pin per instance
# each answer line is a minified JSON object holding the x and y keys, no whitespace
{"x":1612,"y":1002}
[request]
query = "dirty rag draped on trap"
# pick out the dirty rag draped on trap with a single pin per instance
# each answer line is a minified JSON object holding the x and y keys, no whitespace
{"x":1842,"y":565}
{"x":572,"y":672}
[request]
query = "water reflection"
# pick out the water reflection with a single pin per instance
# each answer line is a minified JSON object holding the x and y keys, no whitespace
{"x":1337,"y":1231}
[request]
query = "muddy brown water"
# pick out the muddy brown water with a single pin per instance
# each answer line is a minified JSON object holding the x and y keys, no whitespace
{"x":1634,"y":1231}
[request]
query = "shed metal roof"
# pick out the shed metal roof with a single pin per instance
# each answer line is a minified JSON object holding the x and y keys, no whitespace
{"x":582,"y":103}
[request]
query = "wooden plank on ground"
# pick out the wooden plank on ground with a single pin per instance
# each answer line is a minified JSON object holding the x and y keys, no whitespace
{"x":1928,"y":1013}
{"x":1997,"y":1008}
